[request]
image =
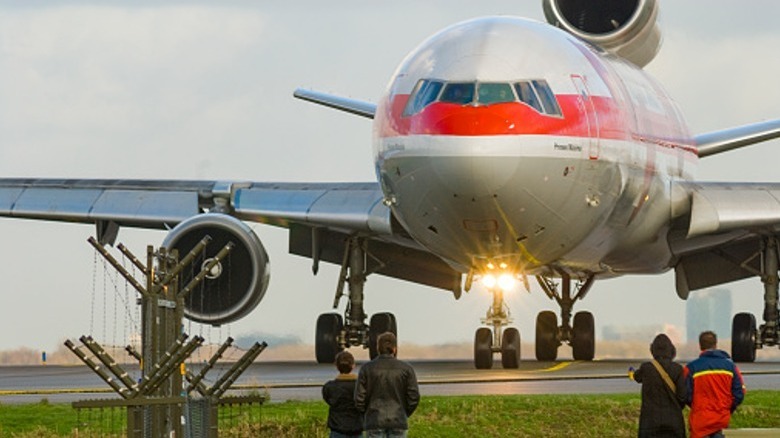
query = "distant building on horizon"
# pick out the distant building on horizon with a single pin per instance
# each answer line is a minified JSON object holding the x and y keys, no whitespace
{"x":640,"y":333}
{"x":708,"y":309}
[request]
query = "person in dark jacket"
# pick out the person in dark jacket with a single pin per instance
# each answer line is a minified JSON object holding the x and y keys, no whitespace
{"x":661,"y":414}
{"x":386,"y":392}
{"x":344,"y":420}
{"x":715,"y":388}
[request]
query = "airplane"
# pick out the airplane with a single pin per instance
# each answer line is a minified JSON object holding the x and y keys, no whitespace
{"x":504,"y":148}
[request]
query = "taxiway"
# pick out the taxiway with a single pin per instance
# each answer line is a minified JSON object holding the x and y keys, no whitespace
{"x":302,"y":380}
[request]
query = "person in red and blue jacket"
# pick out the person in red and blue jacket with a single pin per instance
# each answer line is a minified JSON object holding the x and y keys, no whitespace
{"x":715,"y":388}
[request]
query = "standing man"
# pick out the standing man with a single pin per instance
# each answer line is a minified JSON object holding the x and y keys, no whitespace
{"x":386,"y":392}
{"x":344,"y":420}
{"x":715,"y":388}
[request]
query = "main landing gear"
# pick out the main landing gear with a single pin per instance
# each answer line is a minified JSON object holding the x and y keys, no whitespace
{"x":550,"y":336}
{"x":745,"y":338}
{"x":334,"y":333}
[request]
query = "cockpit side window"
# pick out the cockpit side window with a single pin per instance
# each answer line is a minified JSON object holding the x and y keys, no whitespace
{"x":489,"y":92}
{"x":528,"y":96}
{"x":458,"y":92}
{"x":547,"y":97}
{"x":425,"y":92}
{"x":538,"y":95}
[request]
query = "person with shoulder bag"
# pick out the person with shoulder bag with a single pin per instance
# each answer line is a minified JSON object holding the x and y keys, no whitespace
{"x":663,"y":391}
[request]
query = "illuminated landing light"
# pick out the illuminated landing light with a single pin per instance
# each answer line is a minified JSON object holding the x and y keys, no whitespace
{"x":489,"y":281}
{"x":506,"y":282}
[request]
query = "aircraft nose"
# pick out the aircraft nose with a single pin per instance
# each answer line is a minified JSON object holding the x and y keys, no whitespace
{"x":470,"y":120}
{"x":481,"y":175}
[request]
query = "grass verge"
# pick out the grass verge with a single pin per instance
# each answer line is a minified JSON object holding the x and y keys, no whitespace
{"x":613,"y":415}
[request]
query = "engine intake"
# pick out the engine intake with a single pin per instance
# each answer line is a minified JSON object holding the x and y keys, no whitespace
{"x":627,"y":28}
{"x":236,"y":285}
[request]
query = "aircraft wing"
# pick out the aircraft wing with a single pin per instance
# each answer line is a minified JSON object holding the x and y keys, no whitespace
{"x":319,"y":216}
{"x":352,"y":106}
{"x":717,"y":236}
{"x":712,"y":143}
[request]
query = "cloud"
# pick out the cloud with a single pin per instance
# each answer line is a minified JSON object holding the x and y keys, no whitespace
{"x":126,"y":75}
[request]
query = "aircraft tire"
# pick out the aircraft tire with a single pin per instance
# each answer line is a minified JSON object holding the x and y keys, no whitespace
{"x":743,"y":337}
{"x":510,"y":348}
{"x":326,"y":338}
{"x":483,"y":349}
{"x":380,"y":323}
{"x":546,"y":336}
{"x":583,"y":343}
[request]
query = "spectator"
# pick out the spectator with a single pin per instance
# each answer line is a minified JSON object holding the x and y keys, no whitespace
{"x":386,"y":392}
{"x":715,"y":388}
{"x":344,"y":420}
{"x":663,"y":392}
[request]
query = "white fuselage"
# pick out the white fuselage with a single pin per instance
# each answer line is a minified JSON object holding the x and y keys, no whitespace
{"x":505,"y":139}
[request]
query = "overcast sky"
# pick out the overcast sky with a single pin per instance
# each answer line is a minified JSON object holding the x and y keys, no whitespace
{"x":204,"y":90}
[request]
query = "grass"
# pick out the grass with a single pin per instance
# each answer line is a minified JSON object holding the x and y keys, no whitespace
{"x":613,"y":415}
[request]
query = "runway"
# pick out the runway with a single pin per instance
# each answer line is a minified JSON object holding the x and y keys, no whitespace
{"x":302,"y":380}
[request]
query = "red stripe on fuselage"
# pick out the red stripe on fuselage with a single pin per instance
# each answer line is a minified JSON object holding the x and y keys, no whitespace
{"x":516,"y":118}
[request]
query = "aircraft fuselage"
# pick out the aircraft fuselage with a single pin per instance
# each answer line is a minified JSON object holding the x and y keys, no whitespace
{"x":507,"y":140}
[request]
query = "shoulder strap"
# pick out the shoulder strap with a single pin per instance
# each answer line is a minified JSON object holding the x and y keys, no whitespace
{"x":664,"y":375}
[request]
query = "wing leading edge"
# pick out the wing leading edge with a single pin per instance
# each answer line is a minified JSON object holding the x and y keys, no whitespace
{"x":318,"y":215}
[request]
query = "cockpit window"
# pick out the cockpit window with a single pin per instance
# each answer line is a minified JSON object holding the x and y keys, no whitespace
{"x":538,"y":95}
{"x":547,"y":97}
{"x":490,"y":92}
{"x":424,"y":93}
{"x":458,"y":92}
{"x":528,"y":96}
{"x":534,"y":93}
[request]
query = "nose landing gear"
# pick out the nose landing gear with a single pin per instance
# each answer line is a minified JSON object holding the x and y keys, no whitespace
{"x":499,"y":340}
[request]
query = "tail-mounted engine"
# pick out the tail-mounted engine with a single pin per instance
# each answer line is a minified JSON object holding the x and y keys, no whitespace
{"x":237,"y":284}
{"x":627,"y":28}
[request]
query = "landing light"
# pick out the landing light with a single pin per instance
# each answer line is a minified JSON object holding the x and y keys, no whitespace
{"x":489,"y":281}
{"x":505,"y":281}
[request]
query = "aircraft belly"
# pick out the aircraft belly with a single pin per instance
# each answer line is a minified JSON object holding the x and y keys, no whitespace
{"x":534,"y":209}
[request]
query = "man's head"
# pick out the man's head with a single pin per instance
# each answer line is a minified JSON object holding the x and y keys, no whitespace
{"x":386,"y":343}
{"x":345,"y":362}
{"x":708,"y":340}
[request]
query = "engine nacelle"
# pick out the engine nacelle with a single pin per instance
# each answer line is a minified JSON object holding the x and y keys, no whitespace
{"x":236,"y":286}
{"x":627,"y":28}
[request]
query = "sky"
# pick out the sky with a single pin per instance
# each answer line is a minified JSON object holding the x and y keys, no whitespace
{"x":200,"y":90}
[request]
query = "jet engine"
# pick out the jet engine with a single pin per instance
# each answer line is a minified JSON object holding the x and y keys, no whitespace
{"x":236,"y":285}
{"x":627,"y":28}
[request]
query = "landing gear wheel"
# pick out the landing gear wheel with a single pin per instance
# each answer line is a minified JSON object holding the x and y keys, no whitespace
{"x":483,"y":349}
{"x":510,"y":348}
{"x":326,"y":338}
{"x":380,"y":323}
{"x":583,"y":343}
{"x":743,"y":337}
{"x":546,"y":336}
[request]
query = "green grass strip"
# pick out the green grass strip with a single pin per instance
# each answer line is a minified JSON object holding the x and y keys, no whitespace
{"x":614,"y":415}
